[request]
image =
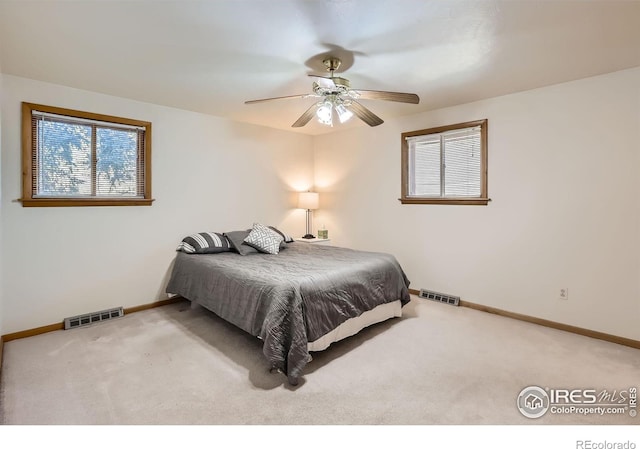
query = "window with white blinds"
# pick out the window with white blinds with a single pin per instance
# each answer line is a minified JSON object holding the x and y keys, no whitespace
{"x":74,"y":158}
{"x":445,"y":165}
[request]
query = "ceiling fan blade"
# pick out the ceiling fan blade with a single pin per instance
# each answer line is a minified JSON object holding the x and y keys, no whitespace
{"x":401,"y":97}
{"x":288,"y":97}
{"x":325,"y":81}
{"x":364,"y":114}
{"x":304,"y":118}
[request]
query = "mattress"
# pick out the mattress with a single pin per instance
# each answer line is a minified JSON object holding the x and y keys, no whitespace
{"x":352,"y":326}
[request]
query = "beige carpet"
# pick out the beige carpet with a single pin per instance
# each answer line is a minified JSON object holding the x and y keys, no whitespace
{"x":438,"y":364}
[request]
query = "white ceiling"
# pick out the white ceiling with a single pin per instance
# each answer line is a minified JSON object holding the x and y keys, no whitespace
{"x":211,"y":56}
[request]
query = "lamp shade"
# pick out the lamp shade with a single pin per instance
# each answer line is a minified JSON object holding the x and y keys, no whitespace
{"x":308,"y":200}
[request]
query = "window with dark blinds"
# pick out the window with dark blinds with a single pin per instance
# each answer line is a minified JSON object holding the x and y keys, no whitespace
{"x":445,"y":165}
{"x":75,"y":158}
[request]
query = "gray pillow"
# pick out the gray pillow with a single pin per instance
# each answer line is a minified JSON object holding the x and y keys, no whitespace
{"x":286,"y":238}
{"x":237,"y":242}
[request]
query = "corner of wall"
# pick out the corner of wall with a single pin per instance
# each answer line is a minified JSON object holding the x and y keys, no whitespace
{"x":1,"y":349}
{"x":1,"y":249}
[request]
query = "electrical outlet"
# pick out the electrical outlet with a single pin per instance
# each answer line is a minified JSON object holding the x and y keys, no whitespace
{"x":564,"y":293}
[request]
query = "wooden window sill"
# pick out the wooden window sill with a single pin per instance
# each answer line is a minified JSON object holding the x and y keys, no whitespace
{"x":74,"y":202}
{"x":459,"y":201}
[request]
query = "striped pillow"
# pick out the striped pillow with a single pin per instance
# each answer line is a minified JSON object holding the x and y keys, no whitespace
{"x":204,"y":243}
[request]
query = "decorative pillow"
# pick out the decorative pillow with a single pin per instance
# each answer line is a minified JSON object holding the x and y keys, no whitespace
{"x":286,"y":238}
{"x":237,"y":242}
{"x":264,"y":239}
{"x":204,"y":243}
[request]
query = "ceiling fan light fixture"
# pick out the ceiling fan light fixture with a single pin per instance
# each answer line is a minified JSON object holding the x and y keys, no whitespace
{"x":324,"y":113}
{"x":343,"y":113}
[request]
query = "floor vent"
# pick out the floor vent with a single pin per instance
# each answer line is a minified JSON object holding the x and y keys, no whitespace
{"x":90,"y":318}
{"x":440,"y":297}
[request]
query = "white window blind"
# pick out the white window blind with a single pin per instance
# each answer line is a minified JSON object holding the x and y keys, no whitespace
{"x":82,"y":158}
{"x":445,"y":165}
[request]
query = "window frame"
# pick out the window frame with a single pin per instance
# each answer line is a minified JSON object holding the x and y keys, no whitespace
{"x":482,"y":200}
{"x":29,"y":198}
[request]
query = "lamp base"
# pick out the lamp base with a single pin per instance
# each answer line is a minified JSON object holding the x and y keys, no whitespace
{"x":308,"y":236}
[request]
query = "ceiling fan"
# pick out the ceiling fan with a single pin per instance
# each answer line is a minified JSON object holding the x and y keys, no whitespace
{"x":335,"y":94}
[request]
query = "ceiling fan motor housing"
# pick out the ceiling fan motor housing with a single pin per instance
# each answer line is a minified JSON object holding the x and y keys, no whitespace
{"x":332,"y":64}
{"x":340,"y":86}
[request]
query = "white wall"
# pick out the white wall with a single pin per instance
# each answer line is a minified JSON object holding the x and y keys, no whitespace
{"x":209,"y":174}
{"x":564,"y":179}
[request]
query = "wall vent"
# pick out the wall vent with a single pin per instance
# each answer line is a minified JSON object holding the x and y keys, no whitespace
{"x":439,"y":297}
{"x":90,"y":318}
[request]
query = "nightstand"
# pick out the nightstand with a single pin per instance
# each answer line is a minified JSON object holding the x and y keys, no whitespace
{"x":314,"y":241}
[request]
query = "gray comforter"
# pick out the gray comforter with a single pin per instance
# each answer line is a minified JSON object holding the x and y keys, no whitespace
{"x":291,"y":298}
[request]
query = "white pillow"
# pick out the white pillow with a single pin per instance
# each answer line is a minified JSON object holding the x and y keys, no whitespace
{"x":264,"y":239}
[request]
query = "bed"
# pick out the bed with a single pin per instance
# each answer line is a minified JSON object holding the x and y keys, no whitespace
{"x":299,"y":300}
